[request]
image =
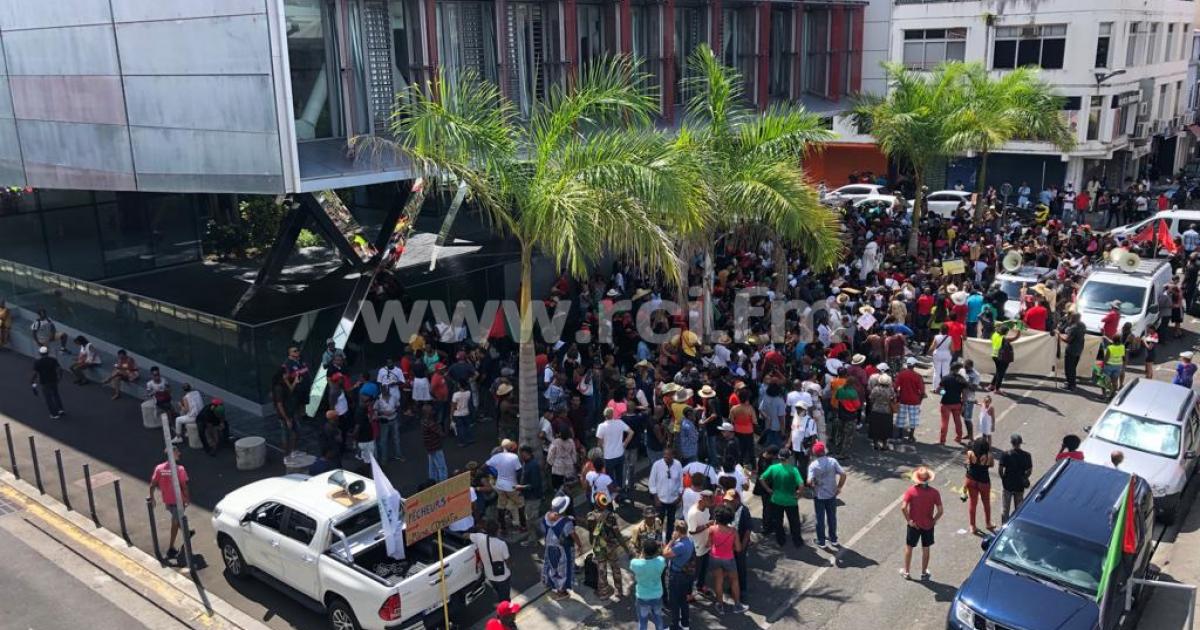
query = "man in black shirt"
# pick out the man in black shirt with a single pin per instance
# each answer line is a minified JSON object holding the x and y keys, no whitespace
{"x":46,"y":371}
{"x":1015,"y":467}
{"x":1072,"y":336}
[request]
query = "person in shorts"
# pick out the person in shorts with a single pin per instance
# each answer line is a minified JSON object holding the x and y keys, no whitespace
{"x":161,"y":482}
{"x":922,"y":507}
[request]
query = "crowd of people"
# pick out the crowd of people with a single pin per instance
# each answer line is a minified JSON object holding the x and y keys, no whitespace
{"x":727,"y":408}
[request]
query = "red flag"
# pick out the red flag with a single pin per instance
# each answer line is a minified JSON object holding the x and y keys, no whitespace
{"x":1145,"y":235}
{"x":1164,"y":238}
{"x":1129,"y":539}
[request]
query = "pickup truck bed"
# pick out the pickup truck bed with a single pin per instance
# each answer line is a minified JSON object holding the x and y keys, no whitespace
{"x":418,"y":557}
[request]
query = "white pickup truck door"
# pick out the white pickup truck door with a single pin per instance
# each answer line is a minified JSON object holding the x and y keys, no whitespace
{"x":262,"y":538}
{"x":296,"y":554}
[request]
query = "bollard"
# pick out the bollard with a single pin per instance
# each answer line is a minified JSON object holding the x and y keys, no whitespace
{"x":12,"y":453}
{"x":37,"y":470}
{"x":121,"y":512}
{"x":87,"y":479}
{"x":153,"y":528}
{"x":62,"y":479}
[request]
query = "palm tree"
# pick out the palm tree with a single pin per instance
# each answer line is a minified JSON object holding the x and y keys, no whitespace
{"x":584,"y":177}
{"x":756,"y":188}
{"x":995,"y":110}
{"x":911,"y":123}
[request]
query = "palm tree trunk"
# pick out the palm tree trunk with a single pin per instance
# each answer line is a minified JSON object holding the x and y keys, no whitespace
{"x":779,"y":254}
{"x":980,"y":186}
{"x":918,"y":200}
{"x":706,"y":315}
{"x":527,"y":384}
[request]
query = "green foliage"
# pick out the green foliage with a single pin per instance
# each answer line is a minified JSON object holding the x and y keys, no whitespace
{"x":752,"y":164}
{"x":254,"y":233}
{"x":309,"y":238}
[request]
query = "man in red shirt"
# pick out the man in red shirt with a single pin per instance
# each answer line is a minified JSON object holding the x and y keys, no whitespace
{"x":161,"y":482}
{"x":1035,"y":316}
{"x":956,"y":330}
{"x":910,"y":391}
{"x":1111,"y":320}
{"x":922,"y":507}
{"x":924,"y":307}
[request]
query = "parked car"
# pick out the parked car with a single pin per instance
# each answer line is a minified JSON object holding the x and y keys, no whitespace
{"x":1012,"y":283}
{"x":329,"y":553}
{"x":1046,"y":567}
{"x":880,"y":201}
{"x":1136,"y":292}
{"x":944,"y":202}
{"x":1177,"y":222}
{"x":1156,"y":425}
{"x":854,"y":192}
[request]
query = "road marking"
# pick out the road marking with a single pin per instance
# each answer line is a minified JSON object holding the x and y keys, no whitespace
{"x":877,"y":519}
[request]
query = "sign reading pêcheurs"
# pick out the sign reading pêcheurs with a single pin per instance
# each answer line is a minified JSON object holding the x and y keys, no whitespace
{"x":436,"y":507}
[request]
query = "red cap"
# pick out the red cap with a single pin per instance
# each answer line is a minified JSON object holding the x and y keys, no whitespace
{"x":494,"y":624}
{"x":818,"y":448}
{"x":507,"y":608}
{"x":440,"y":366}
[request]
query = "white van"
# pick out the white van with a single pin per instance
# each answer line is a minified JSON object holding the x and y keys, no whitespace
{"x":1177,"y":222}
{"x":1137,"y":292}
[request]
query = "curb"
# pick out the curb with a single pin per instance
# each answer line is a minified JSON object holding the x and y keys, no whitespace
{"x":137,"y":565}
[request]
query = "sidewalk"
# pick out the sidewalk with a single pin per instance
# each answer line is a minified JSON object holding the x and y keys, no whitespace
{"x":168,"y":591}
{"x":1177,"y":561}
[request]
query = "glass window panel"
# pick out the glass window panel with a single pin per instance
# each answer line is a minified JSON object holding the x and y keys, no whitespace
{"x":914,"y":34}
{"x":1102,"y":52}
{"x":956,"y":51}
{"x":781,"y":55}
{"x":467,"y":39}
{"x":173,"y":225}
{"x":935,"y":33}
{"x":1004,"y":53}
{"x":21,"y":239}
{"x":125,"y":236}
{"x":1028,"y":52}
{"x":914,"y":54}
{"x":1053,"y":51}
{"x":51,"y":198}
{"x":1054,"y":30}
{"x":1106,"y":28}
{"x":1008,"y":31}
{"x":312,"y":59}
{"x":75,"y":242}
{"x":956,"y":33}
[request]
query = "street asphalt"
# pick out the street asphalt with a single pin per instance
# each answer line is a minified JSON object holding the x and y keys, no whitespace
{"x":860,"y":587}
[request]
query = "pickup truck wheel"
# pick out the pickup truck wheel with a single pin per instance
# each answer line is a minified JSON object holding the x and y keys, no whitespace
{"x":235,"y":563}
{"x":340,"y":615}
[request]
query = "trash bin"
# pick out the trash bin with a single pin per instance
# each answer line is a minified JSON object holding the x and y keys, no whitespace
{"x":250,"y":452}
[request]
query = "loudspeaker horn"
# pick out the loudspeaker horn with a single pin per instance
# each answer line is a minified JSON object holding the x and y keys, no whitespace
{"x":1012,"y":261}
{"x":1129,"y":262}
{"x":351,"y":487}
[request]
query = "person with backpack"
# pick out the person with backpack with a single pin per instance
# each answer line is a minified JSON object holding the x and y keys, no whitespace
{"x":494,"y":552}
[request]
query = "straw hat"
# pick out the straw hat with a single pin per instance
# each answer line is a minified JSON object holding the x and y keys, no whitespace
{"x":866,"y":309}
{"x":724,"y":338}
{"x":959,"y":297}
{"x":923,"y":475}
{"x":671,"y":388}
{"x":504,"y":389}
{"x":708,"y":392}
{"x":640,"y":293}
{"x":683,"y":395}
{"x":857,"y":359}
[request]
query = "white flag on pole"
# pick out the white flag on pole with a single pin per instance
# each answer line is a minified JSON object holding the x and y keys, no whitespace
{"x":391,"y":511}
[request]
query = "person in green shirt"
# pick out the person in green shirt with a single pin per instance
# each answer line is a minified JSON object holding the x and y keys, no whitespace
{"x":783,"y":481}
{"x":648,"y":587}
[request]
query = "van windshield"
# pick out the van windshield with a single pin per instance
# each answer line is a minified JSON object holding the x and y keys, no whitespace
{"x":1097,"y":296}
{"x":1049,"y":555}
{"x":1012,"y":288}
{"x":1142,"y":434}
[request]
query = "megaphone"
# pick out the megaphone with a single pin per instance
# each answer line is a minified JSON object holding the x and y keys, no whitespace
{"x":1116,"y":255}
{"x":1012,"y":261}
{"x":350,"y":487}
{"x":1129,"y":262}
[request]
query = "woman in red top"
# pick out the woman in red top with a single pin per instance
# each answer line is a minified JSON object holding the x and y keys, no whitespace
{"x":1069,"y":448}
{"x":724,"y":542}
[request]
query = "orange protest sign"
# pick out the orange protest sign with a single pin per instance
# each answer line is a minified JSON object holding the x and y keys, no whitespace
{"x":436,"y":507}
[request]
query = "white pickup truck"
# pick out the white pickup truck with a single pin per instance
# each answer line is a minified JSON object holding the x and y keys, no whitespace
{"x":310,"y":539}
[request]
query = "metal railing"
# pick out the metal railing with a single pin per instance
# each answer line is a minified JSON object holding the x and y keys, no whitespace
{"x":190,"y":562}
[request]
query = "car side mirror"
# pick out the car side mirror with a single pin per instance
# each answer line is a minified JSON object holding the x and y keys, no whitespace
{"x":249,"y":516}
{"x":986,"y":543}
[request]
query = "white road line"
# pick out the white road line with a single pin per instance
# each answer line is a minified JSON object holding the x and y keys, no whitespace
{"x":876,"y":520}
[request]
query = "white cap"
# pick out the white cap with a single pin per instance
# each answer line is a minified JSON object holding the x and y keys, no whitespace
{"x":910,"y":361}
{"x":882,"y":367}
{"x":43,"y":350}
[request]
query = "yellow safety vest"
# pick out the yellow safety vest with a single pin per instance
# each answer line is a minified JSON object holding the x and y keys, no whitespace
{"x":997,"y":341}
{"x":1116,"y":354}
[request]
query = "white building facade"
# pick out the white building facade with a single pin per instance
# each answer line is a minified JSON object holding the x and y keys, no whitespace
{"x":1123,"y":68}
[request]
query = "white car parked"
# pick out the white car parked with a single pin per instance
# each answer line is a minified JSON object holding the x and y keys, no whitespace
{"x":313,"y":541}
{"x":944,"y":202}
{"x":854,"y":192}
